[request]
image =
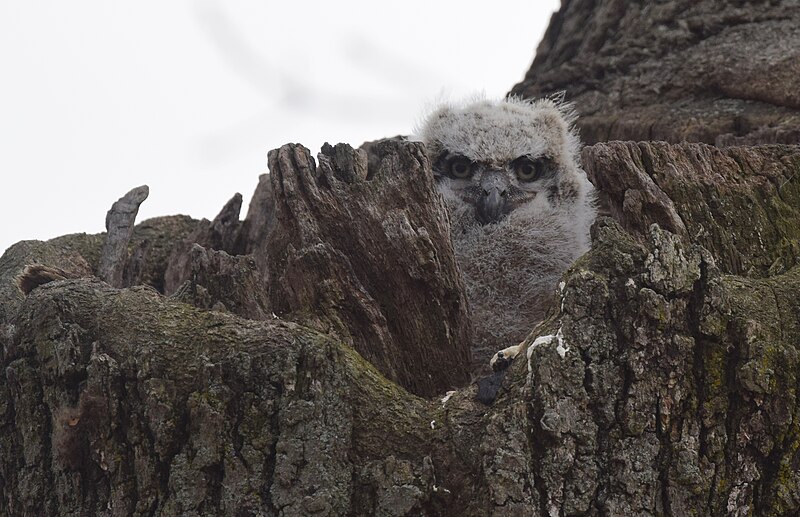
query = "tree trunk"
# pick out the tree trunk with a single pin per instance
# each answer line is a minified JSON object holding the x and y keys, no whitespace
{"x":681,"y":70}
{"x":366,"y":254}
{"x":664,"y":382}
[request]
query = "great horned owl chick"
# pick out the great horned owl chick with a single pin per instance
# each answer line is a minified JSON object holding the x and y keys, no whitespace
{"x":520,"y":207}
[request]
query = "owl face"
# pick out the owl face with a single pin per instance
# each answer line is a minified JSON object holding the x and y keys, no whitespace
{"x":498,"y":156}
{"x":494,"y":190}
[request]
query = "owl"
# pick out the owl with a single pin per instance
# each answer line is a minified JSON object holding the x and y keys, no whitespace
{"x":520,"y":209}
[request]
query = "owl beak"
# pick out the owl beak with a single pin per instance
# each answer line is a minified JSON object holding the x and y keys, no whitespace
{"x":492,"y":206}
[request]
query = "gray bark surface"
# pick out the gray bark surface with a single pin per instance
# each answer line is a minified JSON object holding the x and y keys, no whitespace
{"x":225,"y":282}
{"x":119,"y":229}
{"x":367,"y":255}
{"x":219,"y":234}
{"x":152,"y":246}
{"x":740,"y":203}
{"x":679,"y":70}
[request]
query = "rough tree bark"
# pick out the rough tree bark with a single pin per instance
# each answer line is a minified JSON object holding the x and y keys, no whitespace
{"x":701,"y":71}
{"x":219,"y":234}
{"x":664,"y":383}
{"x":366,"y":254}
{"x":119,"y":229}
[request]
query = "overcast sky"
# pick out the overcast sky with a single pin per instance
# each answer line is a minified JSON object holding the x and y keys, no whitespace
{"x":98,"y":97}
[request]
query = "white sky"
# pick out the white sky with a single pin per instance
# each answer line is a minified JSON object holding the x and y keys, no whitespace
{"x":98,"y":97}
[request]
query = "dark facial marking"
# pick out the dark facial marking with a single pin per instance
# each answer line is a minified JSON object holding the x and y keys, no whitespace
{"x":530,"y":169}
{"x":455,"y":166}
{"x":553,"y":195}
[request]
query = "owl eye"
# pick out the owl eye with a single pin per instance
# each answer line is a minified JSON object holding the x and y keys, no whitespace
{"x":461,"y":168}
{"x":527,"y":169}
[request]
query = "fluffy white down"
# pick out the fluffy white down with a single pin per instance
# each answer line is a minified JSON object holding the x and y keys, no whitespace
{"x":511,"y":269}
{"x":500,"y":130}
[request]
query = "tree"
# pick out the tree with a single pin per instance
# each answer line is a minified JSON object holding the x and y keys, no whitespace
{"x":663,"y":382}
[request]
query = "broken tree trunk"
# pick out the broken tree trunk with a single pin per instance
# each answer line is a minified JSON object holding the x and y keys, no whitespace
{"x":219,"y":234}
{"x":663,"y":383}
{"x":366,"y":254}
{"x":119,"y":229}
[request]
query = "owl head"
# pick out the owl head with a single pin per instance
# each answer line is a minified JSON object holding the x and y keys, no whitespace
{"x":498,"y":156}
